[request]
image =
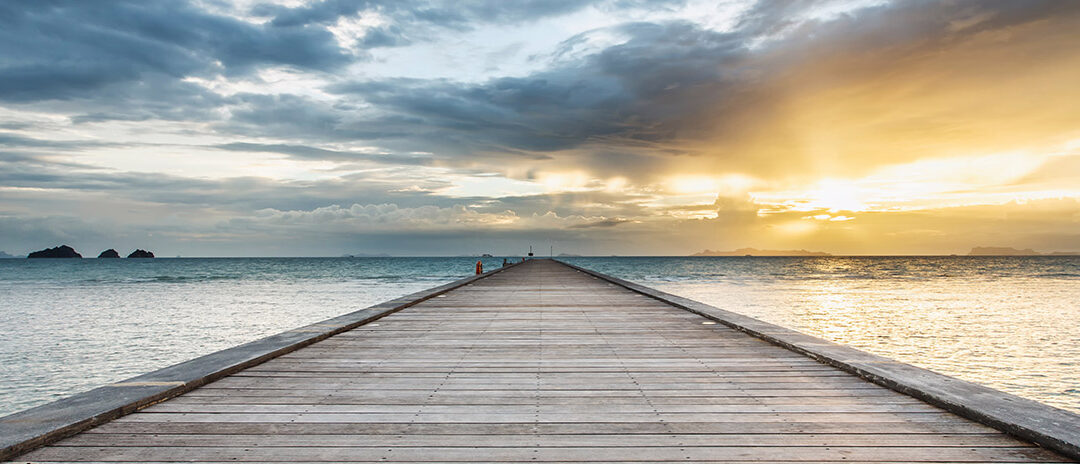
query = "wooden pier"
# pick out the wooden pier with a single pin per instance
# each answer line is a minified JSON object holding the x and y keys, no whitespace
{"x":541,"y":363}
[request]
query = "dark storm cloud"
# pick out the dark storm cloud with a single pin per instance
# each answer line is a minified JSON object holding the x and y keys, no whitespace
{"x":627,"y":97}
{"x":623,"y":93}
{"x":69,"y":49}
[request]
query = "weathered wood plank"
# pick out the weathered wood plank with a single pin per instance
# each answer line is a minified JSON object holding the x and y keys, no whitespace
{"x":622,"y":408}
{"x":533,"y":428}
{"x":547,"y":454}
{"x":563,"y":402}
{"x":551,"y":440}
{"x":474,"y":418}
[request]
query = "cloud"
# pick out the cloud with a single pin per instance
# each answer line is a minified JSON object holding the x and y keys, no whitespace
{"x":602,"y":223}
{"x":297,"y":113}
{"x":9,"y":140}
{"x":843,"y":95}
{"x":27,"y":234}
{"x":52,"y":50}
{"x":566,"y":204}
{"x":452,"y":14}
{"x":358,"y":218}
{"x":314,"y":153}
{"x":617,"y":97}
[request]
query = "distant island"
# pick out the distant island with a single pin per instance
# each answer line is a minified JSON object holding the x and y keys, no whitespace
{"x":757,"y":252}
{"x":6,"y":256}
{"x":64,"y":251}
{"x":1009,"y":251}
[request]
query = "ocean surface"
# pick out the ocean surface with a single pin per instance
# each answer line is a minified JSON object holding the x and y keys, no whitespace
{"x":67,"y":326}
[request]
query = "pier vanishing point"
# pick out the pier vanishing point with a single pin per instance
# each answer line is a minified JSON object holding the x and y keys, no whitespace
{"x":541,"y":362}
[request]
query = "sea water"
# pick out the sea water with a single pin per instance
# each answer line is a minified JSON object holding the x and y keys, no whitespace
{"x":67,"y":326}
{"x":1011,"y":323}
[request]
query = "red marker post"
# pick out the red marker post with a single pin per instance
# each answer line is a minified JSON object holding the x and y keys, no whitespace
{"x":479,"y":267}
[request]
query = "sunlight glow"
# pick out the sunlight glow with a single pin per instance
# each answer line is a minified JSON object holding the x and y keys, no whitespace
{"x":566,"y":181}
{"x":930,"y":183}
{"x":796,"y":227}
{"x":837,"y":195}
{"x":727,"y":184}
{"x":692,"y":184}
{"x":616,"y":184}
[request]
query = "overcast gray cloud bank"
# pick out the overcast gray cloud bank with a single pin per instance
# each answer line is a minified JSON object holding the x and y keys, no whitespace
{"x":59,"y":50}
{"x":174,"y":122}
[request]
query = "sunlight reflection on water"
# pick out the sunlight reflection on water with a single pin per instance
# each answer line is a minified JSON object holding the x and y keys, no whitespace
{"x":1012,"y":323}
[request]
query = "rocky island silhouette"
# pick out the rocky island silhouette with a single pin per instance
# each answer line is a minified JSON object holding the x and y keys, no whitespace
{"x":64,"y":251}
{"x":110,"y":253}
{"x":141,"y":254}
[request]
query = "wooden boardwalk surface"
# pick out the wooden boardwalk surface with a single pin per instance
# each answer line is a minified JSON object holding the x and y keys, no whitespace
{"x":541,"y":363}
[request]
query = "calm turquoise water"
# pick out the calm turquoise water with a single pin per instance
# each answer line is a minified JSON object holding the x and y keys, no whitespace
{"x":70,"y":325}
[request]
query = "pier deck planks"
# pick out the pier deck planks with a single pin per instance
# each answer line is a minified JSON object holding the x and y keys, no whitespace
{"x":541,"y":363}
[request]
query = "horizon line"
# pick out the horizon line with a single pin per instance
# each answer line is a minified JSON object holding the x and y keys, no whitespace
{"x":829,"y":255}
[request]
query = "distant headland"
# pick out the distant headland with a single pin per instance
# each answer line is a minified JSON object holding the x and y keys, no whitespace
{"x":1009,"y":251}
{"x":757,"y":252}
{"x":64,"y":251}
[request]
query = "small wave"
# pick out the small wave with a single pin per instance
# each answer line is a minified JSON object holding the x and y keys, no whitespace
{"x":198,"y":278}
{"x":1058,"y":275}
{"x":399,"y":277}
{"x":95,"y":280}
{"x":158,"y":279}
{"x":409,"y":277}
{"x":154,"y":279}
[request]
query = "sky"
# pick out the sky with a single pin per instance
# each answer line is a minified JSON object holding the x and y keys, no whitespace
{"x":596,"y":127}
